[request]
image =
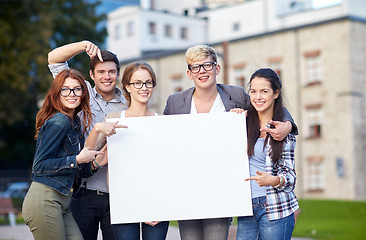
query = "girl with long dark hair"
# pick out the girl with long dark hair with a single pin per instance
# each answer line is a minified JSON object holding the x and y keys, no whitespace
{"x":271,"y":164}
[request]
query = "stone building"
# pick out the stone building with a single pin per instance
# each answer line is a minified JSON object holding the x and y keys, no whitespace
{"x":320,"y":55}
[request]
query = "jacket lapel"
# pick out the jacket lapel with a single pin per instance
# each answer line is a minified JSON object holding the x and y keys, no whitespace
{"x":187,"y":100}
{"x":226,"y":98}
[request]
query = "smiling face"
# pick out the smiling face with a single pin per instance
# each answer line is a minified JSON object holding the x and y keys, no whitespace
{"x":262,"y":95}
{"x":140,"y":95}
{"x":204,"y":79}
{"x":105,"y":77}
{"x":72,"y":101}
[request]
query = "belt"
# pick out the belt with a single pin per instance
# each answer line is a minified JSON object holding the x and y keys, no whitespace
{"x":100,"y":193}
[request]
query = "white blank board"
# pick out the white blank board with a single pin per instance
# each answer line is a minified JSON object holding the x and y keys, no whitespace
{"x":179,"y":167}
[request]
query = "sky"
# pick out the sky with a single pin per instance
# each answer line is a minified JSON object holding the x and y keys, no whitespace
{"x":110,"y":5}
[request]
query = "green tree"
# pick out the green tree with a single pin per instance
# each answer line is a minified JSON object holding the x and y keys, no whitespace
{"x":29,"y":29}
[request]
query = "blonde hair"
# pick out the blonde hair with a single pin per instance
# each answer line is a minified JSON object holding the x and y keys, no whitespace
{"x":200,"y":52}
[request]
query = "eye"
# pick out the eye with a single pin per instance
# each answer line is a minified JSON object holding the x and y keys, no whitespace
{"x":138,"y":84}
{"x":195,"y":67}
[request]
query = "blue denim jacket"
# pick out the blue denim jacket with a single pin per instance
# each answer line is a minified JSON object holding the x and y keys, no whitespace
{"x":54,"y":162}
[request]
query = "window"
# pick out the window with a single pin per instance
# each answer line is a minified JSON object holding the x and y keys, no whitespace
{"x":152,"y":28}
{"x":117,"y":32}
{"x":316,"y":173}
{"x":168,"y":31}
{"x":239,"y":75}
{"x":177,"y":83}
{"x":313,"y":68}
{"x":275,"y":64}
{"x":315,"y":115}
{"x":130,"y":29}
{"x":184,"y":33}
{"x":236,"y":27}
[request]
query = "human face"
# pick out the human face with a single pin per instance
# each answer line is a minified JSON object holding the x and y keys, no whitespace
{"x":143,"y":94}
{"x":262,"y":95}
{"x":72,"y":101}
{"x":105,"y":77}
{"x":204,"y":79}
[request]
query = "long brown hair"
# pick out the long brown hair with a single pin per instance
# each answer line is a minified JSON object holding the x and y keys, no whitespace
{"x":52,"y":102}
{"x":130,"y":70}
{"x":253,"y":125}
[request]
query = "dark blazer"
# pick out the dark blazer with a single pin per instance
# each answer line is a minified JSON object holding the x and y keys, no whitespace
{"x":231,"y":96}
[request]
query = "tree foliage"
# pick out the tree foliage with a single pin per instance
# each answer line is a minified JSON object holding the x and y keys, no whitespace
{"x":29,"y":29}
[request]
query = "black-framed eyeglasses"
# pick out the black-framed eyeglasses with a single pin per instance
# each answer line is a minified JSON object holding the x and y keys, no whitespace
{"x":207,"y":66}
{"x":139,"y":85}
{"x":65,"y":92}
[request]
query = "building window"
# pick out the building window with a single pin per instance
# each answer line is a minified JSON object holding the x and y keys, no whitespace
{"x":236,"y":27}
{"x":152,"y":28}
{"x":316,"y":174}
{"x":177,"y":83}
{"x":239,"y":75}
{"x":313,"y":68}
{"x":130,"y":29}
{"x":117,"y":32}
{"x":275,"y":64}
{"x":168,"y":30}
{"x":184,"y":33}
{"x":315,"y":115}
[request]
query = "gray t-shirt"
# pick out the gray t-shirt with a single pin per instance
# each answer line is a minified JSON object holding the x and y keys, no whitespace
{"x":100,"y":108}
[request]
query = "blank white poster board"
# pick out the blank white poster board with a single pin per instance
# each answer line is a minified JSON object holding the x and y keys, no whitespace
{"x":179,"y":167}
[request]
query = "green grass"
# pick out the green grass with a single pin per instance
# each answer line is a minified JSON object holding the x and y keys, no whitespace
{"x":331,"y":220}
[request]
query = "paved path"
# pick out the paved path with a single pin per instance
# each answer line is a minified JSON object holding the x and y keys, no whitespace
{"x":21,"y":232}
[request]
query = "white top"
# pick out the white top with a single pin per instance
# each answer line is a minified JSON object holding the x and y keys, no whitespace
{"x":217,"y":106}
{"x":123,"y":114}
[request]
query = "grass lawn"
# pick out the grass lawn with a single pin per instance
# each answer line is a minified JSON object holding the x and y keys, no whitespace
{"x":331,"y":220}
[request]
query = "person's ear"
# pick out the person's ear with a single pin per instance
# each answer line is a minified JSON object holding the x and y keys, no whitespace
{"x":276,"y":94}
{"x":91,"y":74}
{"x":128,"y":88}
{"x":189,"y":74}
{"x":218,"y":69}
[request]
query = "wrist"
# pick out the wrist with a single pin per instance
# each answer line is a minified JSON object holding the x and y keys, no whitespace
{"x":281,"y":182}
{"x":95,"y":164}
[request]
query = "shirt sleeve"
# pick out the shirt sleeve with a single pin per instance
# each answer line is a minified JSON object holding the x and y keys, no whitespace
{"x":286,"y":164}
{"x":57,"y":68}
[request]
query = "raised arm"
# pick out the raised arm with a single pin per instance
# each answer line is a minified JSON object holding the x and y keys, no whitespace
{"x":66,"y":52}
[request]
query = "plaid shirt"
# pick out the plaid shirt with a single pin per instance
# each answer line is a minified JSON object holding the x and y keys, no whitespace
{"x":282,"y":202}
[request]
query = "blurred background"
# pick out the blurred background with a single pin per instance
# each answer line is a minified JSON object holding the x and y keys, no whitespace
{"x":317,"y":47}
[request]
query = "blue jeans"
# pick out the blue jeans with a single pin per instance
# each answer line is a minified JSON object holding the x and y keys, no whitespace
{"x":91,"y":208}
{"x":258,"y":227}
{"x":131,"y":231}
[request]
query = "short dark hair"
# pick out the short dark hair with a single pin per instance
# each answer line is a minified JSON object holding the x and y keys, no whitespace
{"x":107,"y":56}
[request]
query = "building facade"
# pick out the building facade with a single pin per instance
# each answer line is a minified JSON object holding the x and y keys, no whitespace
{"x":321,"y":60}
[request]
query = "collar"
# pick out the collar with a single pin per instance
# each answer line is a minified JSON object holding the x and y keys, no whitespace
{"x":118,"y":96}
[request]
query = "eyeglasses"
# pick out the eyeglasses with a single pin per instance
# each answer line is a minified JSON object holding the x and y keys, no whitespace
{"x":139,"y":85}
{"x":78,"y":92}
{"x":207,"y":66}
